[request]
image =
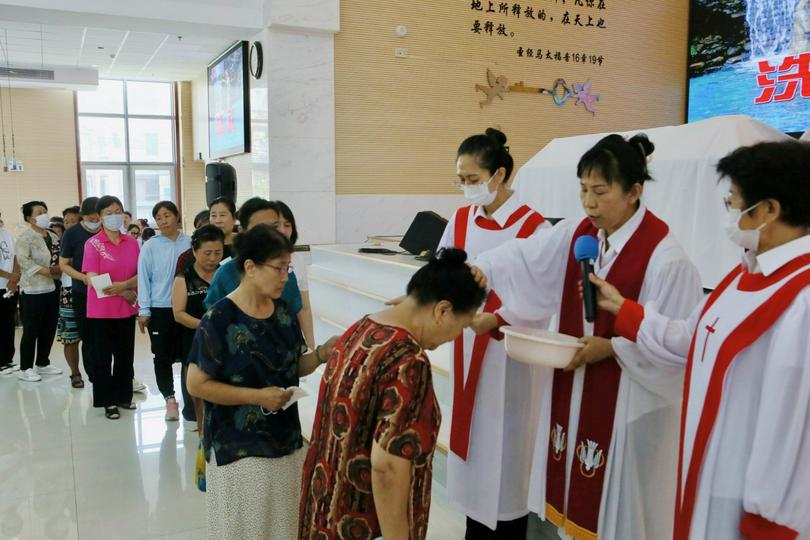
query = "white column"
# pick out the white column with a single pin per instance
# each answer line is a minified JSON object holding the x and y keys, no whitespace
{"x":293,"y":108}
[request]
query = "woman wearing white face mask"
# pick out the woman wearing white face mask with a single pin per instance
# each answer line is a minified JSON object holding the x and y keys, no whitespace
{"x":745,"y":433}
{"x":111,"y":315}
{"x":38,"y":255}
{"x":495,"y":399}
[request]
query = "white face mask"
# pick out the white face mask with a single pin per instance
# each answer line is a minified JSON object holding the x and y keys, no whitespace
{"x":746,"y":239}
{"x":43,"y":221}
{"x":113,"y":222}
{"x":479,"y":194}
{"x":91,"y":226}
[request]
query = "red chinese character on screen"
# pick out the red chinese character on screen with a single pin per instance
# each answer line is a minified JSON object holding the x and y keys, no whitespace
{"x":793,"y":81}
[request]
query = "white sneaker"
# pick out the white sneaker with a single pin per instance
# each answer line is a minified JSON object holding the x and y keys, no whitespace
{"x":49,"y":370}
{"x":8,"y":369}
{"x":29,"y":375}
{"x":138,"y":386}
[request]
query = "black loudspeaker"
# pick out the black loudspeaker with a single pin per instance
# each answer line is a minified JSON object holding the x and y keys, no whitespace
{"x":424,"y":234}
{"x":220,"y":181}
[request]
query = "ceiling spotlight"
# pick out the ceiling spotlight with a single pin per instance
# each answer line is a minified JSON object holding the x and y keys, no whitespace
{"x":179,"y":38}
{"x":100,"y":48}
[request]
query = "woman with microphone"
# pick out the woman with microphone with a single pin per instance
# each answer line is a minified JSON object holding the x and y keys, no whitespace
{"x":605,"y":458}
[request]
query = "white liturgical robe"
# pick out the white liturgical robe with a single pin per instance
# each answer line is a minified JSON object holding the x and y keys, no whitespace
{"x":491,"y":485}
{"x":746,"y":434}
{"x":639,"y":488}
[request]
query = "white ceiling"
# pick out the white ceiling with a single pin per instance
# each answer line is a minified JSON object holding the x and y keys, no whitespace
{"x":116,"y":53}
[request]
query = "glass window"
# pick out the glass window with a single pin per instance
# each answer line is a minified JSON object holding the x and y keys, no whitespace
{"x":151,"y":140}
{"x":102,"y":138}
{"x":127,"y":142}
{"x":107,"y":98}
{"x":100,"y":182}
{"x":149,"y":98}
{"x":151,"y":186}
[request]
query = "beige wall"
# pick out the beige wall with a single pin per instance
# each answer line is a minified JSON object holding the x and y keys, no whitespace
{"x":192,"y":170}
{"x":399,"y":121}
{"x":45,"y":136}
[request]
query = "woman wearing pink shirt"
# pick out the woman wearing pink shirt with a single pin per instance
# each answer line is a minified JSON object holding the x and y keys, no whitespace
{"x":111,"y":319}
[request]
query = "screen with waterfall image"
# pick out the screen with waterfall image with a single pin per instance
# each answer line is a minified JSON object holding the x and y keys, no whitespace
{"x":751,"y":57}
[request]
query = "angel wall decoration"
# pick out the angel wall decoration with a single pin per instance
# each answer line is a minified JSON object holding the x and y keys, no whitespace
{"x":560,"y":92}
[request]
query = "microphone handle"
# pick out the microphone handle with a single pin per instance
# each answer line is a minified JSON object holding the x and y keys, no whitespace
{"x":588,"y":291}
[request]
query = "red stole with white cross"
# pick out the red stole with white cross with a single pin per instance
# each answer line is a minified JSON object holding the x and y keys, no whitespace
{"x":580,"y":516}
{"x":754,"y":326}
{"x":464,"y":394}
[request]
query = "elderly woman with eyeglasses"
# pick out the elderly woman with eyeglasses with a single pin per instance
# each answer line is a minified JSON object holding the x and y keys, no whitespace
{"x":247,"y":354}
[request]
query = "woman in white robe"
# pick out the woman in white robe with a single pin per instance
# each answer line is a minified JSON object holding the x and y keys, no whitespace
{"x":745,"y":443}
{"x":496,"y":400}
{"x":638,"y":476}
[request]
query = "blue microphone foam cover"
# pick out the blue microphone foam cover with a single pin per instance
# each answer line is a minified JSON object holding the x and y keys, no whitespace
{"x":586,"y":247}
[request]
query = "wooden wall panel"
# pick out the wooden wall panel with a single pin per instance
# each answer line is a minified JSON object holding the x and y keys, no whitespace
{"x":399,"y":120}
{"x":192,"y":171}
{"x":45,"y":136}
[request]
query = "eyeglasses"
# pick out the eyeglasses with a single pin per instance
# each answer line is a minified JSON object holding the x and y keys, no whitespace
{"x":286,"y":269}
{"x":459,"y":183}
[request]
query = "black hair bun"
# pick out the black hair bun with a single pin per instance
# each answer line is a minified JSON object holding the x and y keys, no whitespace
{"x":497,"y":135}
{"x":451,"y":256}
{"x":643,"y":144}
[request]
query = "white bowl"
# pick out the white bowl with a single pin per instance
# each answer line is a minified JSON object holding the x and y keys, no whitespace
{"x":540,"y":347}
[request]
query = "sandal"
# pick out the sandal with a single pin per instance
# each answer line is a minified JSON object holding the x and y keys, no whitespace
{"x":128,"y":406}
{"x":76,"y":381}
{"x":112,"y":413}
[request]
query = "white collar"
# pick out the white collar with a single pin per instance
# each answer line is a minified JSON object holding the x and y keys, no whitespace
{"x":774,"y":259}
{"x":619,"y":239}
{"x":502,"y":214}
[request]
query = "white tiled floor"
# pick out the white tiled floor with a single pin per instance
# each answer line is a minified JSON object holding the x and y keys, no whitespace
{"x":67,"y":472}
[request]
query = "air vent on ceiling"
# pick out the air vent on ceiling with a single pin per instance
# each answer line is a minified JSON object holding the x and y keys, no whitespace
{"x":24,"y":73}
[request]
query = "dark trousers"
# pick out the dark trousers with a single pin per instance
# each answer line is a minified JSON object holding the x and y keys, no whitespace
{"x":8,"y":310}
{"x":112,"y":360}
{"x":507,"y":530}
{"x":40,"y":314}
{"x":79,"y":301}
{"x":164,"y":336}
{"x":188,"y":404}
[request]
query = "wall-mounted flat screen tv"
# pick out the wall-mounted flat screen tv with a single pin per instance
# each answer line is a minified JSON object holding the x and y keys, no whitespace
{"x":229,"y":103}
{"x":750,"y":57}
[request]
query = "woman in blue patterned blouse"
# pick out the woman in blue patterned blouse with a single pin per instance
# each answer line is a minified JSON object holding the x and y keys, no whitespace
{"x":247,"y":353}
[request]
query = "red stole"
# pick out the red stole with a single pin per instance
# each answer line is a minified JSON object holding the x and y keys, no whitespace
{"x":600,"y":389}
{"x":749,"y":331}
{"x":464,"y":394}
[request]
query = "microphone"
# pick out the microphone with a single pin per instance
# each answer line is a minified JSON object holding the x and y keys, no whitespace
{"x":586,"y":250}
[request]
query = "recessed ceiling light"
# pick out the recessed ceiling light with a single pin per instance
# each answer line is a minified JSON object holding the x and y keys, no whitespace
{"x":100,"y":48}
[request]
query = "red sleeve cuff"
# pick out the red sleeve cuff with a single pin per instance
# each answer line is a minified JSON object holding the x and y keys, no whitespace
{"x":755,"y":527}
{"x":496,"y":334}
{"x":629,"y":319}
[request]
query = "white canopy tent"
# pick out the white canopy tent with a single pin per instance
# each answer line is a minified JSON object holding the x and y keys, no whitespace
{"x":685,"y":192}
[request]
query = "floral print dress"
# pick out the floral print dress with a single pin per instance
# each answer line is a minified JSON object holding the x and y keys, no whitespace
{"x":377,"y":387}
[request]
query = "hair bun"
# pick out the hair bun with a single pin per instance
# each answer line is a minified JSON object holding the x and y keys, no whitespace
{"x":643,"y":144}
{"x":496,"y":134}
{"x":451,"y":256}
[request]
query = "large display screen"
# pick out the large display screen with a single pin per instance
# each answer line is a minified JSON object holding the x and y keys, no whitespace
{"x":750,"y":57}
{"x":229,"y":103}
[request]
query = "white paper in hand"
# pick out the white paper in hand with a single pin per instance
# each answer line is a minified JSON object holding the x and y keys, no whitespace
{"x":100,"y":283}
{"x":298,"y":393}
